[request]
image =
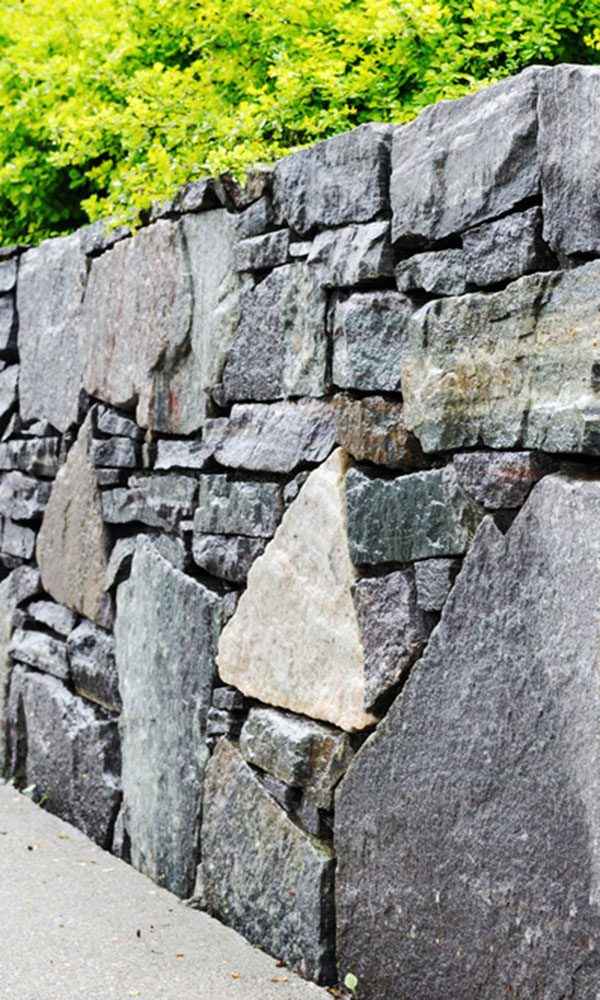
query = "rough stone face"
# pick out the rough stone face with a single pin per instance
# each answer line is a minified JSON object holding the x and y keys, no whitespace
{"x":352,"y":256}
{"x":107,"y":421}
{"x":72,"y":543}
{"x":8,"y":390}
{"x":235,"y":507}
{"x":517,"y":368}
{"x":411,"y":517}
{"x":298,"y":751}
{"x":49,"y":294}
{"x":280,"y":346}
{"x":227,"y":556}
{"x":8,"y":325}
{"x":116,"y":452}
{"x":159,"y":315}
{"x":53,"y":616}
{"x":158,"y":501}
{"x":92,"y":659}
{"x":393,"y":629}
{"x":370,"y":340}
{"x":438,"y":272}
{"x":281,"y":896}
{"x":68,"y":750}
{"x":8,"y":274}
{"x":255,"y":219}
{"x":275,"y":437}
{"x":501,"y":478}
{"x":8,"y":601}
{"x":37,"y":457}
{"x":41,"y":651}
{"x":568,"y":139}
{"x":304,"y":575}
{"x":502,"y":251}
{"x":263,"y":252}
{"x":463,"y":162}
{"x":467,"y":822}
{"x":17,"y":539}
{"x":373,"y":430}
{"x":343,"y":179}
{"x":166,"y":638}
{"x":434,"y":579}
{"x":21,"y":496}
{"x":181,"y":454}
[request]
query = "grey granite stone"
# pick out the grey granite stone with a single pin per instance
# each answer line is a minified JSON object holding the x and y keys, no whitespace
{"x":8,"y":325}
{"x":166,"y":638}
{"x":569,"y":130}
{"x":17,"y":539}
{"x":373,"y":430}
{"x":49,"y":296}
{"x":279,"y":897}
{"x":260,"y":253}
{"x":393,"y":629}
{"x":176,"y":454}
{"x":198,"y":196}
{"x":10,"y":591}
{"x":227,"y":556}
{"x":8,"y":390}
{"x":44,"y":652}
{"x":234,"y":507}
{"x":354,"y":255}
{"x":69,"y":752}
{"x":466,"y":822}
{"x":340,"y":180}
{"x":516,"y":368}
{"x":26,"y":582}
{"x":256,"y":219}
{"x":280,"y":345}
{"x":101,"y":236}
{"x":39,"y":457}
{"x":119,"y":562}
{"x":463,"y":162}
{"x":22,"y":497}
{"x":220,"y":722}
{"x":54,"y":616}
{"x":286,"y":796}
{"x":158,"y":501}
{"x":229,"y":699}
{"x":501,"y":251}
{"x":8,"y":274}
{"x":437,"y":272}
{"x":108,"y":421}
{"x":275,"y":437}
{"x":434,"y":579}
{"x":318,"y":822}
{"x":92,"y":658}
{"x":370,"y":340}
{"x":410,"y":517}
{"x":499,"y":479}
{"x":111,"y":477}
{"x":115,"y":452}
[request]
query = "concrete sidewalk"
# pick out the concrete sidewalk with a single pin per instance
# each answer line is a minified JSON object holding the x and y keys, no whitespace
{"x":76,"y":922}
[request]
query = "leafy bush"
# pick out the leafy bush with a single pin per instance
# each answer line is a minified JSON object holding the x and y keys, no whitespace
{"x":108,"y":105}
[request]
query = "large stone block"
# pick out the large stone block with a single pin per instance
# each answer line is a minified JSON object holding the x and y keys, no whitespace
{"x":340,"y":180}
{"x":370,"y":340}
{"x":159,"y":315}
{"x":261,"y":874}
{"x":166,"y":635}
{"x":280,"y":345}
{"x":504,"y":250}
{"x":158,"y":501}
{"x":463,"y":162}
{"x":569,"y":132}
{"x":418,"y":516}
{"x":354,"y":255}
{"x":467,"y":826}
{"x":72,"y":543}
{"x":49,"y":296}
{"x":235,"y":507}
{"x":372,"y":429}
{"x":66,"y":749}
{"x":21,"y":496}
{"x":517,"y":368}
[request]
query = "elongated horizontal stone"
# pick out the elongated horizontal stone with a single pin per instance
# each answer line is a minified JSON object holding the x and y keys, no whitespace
{"x":54,"y":616}
{"x":463,"y":162}
{"x":281,"y":896}
{"x":504,"y":250}
{"x":115,"y":452}
{"x":274,"y":437}
{"x":280,"y":345}
{"x":438,"y":272}
{"x":174,"y":454}
{"x":92,"y":659}
{"x":513,"y":369}
{"x":418,"y":516}
{"x":234,"y":507}
{"x":108,"y":421}
{"x":166,"y":637}
{"x":22,"y":497}
{"x":158,"y":501}
{"x":353,"y":255}
{"x":49,"y":296}
{"x":466,"y":818}
{"x":373,"y":430}
{"x":41,"y":651}
{"x":370,"y":340}
{"x":227,"y":556}
{"x":79,"y":779}
{"x":39,"y":457}
{"x":501,"y":478}
{"x":263,"y":252}
{"x":340,"y":180}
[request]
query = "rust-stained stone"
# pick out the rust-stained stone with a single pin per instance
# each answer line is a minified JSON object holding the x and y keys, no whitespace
{"x":373,"y":430}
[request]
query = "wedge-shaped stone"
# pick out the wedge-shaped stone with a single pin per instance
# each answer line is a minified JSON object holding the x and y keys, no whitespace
{"x":411,"y":517}
{"x":353,"y":255}
{"x":280,"y":346}
{"x":518,"y":368}
{"x":49,"y":295}
{"x":568,"y":141}
{"x":41,"y":651}
{"x":279,"y":896}
{"x":469,"y":821}
{"x":92,"y":661}
{"x":68,"y":750}
{"x":166,"y":639}
{"x":340,"y":180}
{"x":72,"y":543}
{"x":305,"y":575}
{"x":463,"y":162}
{"x":370,"y":340}
{"x":372,"y":429}
{"x":159,"y":315}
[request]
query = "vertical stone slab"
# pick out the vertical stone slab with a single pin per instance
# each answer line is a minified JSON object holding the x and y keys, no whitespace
{"x":72,"y":542}
{"x":166,"y":638}
{"x":8,"y":603}
{"x":467,"y":828}
{"x":49,"y":295}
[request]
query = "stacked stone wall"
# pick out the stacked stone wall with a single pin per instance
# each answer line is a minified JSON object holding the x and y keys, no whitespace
{"x":300,"y":546}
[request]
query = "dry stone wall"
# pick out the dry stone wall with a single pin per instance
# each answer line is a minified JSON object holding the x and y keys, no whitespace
{"x":299,"y":528}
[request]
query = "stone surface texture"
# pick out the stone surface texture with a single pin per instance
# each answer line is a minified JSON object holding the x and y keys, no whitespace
{"x":499,"y":479}
{"x":372,"y":429}
{"x":354,"y":255}
{"x":501,"y":251}
{"x":441,"y":272}
{"x":370,"y":340}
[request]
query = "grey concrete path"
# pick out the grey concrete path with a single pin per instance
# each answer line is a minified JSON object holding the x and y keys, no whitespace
{"x":76,"y":922}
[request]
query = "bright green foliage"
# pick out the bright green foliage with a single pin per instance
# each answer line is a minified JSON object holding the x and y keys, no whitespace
{"x":108,"y":105}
